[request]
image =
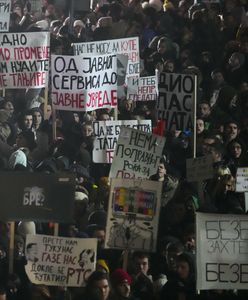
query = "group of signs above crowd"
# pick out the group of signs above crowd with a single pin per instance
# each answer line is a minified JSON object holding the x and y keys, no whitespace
{"x":96,"y":76}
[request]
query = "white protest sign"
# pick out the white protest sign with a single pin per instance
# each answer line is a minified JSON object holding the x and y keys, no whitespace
{"x":222,"y":249}
{"x":176,"y":100}
{"x":199,"y":168}
{"x":127,"y":46}
{"x":242,"y":180}
{"x":24,"y":59}
{"x":133,"y":214}
{"x":84,"y":83}
{"x":5,"y":7}
{"x":137,"y":154}
{"x":59,"y":261}
{"x":106,"y":135}
{"x":142,"y":88}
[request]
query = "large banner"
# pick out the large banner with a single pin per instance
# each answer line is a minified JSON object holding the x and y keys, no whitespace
{"x":5,"y":7}
{"x":24,"y":60}
{"x":127,"y":46}
{"x":59,"y":261}
{"x":242,"y":180}
{"x":176,"y":100}
{"x":84,"y":83}
{"x":222,"y":249}
{"x":142,"y":88}
{"x":137,"y":154}
{"x":36,"y":197}
{"x":199,"y":168}
{"x":106,"y":136}
{"x":133,"y":214}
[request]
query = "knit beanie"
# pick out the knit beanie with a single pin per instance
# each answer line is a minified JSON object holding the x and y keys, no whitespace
{"x":119,"y":276}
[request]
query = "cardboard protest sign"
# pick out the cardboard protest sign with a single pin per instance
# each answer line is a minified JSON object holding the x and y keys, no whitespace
{"x":106,"y":136}
{"x":199,"y":168}
{"x":137,"y":154}
{"x":222,"y":248}
{"x":59,"y":261}
{"x":84,"y":83}
{"x":176,"y":100}
{"x":24,"y":60}
{"x":127,"y":46}
{"x":133,"y":214}
{"x":5,"y":7}
{"x":36,"y":197}
{"x":242,"y":180}
{"x":142,"y":88}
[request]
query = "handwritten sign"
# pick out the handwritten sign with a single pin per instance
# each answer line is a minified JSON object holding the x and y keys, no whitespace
{"x":106,"y":136}
{"x":59,"y":261}
{"x":142,"y":89}
{"x":133,"y":214}
{"x":222,"y":249}
{"x":199,"y":168}
{"x":242,"y":180}
{"x":126,"y":46}
{"x":176,"y":100}
{"x":137,"y":154}
{"x":24,"y":60}
{"x":84,"y":83}
{"x":5,"y":6}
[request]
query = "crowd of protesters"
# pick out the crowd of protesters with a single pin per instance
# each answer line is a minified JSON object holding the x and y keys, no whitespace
{"x":205,"y":38}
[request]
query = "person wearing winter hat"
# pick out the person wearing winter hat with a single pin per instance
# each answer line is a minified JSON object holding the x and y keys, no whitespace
{"x":121,"y":283}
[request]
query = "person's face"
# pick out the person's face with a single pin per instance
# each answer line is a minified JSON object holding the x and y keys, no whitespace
{"x":28,"y":121}
{"x":9,"y":106}
{"x":234,"y":61}
{"x":37,"y":118}
{"x":21,"y":141}
{"x":161,"y":47}
{"x":228,"y":186}
{"x":104,"y":117}
{"x":124,"y":289}
{"x":204,"y":110}
{"x":161,"y":170}
{"x":76,"y":117}
{"x":142,"y":265}
{"x":171,"y":259}
{"x":218,"y":78}
{"x":169,"y":67}
{"x":236,"y":150}
{"x":215,"y":155}
{"x":182,"y":269}
{"x":18,"y":11}
{"x":32,"y":253}
{"x":128,"y":105}
{"x":199,"y":126}
{"x":102,"y":289}
{"x":87,"y":130}
{"x":49,"y":112}
{"x":231,"y":131}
